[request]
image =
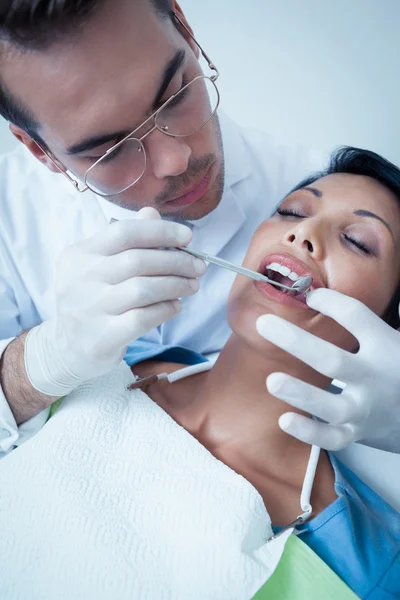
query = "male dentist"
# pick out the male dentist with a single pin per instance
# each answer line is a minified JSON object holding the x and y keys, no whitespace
{"x":109,"y":96}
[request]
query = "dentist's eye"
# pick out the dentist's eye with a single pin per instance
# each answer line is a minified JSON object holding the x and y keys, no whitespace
{"x":360,"y":245}
{"x":290,"y":212}
{"x":182,"y":93}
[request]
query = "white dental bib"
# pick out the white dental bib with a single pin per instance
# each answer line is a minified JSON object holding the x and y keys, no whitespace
{"x":113,"y":500}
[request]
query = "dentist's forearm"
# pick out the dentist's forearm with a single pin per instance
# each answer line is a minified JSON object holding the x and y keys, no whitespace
{"x":24,"y":400}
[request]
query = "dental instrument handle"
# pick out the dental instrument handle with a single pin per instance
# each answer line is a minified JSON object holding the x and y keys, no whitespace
{"x":248,"y":273}
{"x":231,"y":267}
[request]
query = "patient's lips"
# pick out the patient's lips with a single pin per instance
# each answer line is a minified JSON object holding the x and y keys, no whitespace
{"x":286,"y":269}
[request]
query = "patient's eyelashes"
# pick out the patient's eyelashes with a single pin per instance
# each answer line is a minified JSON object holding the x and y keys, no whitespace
{"x":290,"y":212}
{"x":359,"y":244}
{"x":351,"y":240}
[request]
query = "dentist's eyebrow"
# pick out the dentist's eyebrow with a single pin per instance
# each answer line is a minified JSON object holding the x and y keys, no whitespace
{"x":169,"y":73}
{"x":170,"y":70}
{"x":94,"y":142}
{"x":367,"y":213}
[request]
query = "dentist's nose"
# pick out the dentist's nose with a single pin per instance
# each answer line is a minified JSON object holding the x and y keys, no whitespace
{"x":168,"y":156}
{"x":308,"y":236}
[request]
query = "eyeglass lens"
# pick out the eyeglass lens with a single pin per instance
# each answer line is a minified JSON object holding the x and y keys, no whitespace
{"x":182,"y":115}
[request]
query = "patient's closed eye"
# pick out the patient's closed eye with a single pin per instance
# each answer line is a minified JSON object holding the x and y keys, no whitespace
{"x":290,"y":212}
{"x":362,"y":246}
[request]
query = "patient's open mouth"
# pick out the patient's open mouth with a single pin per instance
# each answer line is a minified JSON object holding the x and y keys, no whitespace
{"x":285,"y":269}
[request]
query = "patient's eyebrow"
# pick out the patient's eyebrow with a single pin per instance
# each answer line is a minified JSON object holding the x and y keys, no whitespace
{"x":317,"y":193}
{"x":367,"y":213}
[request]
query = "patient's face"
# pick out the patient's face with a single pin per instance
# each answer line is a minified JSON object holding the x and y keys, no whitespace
{"x":344,"y":231}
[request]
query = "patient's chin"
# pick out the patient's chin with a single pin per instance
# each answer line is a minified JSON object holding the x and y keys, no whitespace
{"x":244,"y":309}
{"x":242,"y":318}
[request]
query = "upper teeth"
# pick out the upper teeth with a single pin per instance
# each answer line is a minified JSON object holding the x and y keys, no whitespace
{"x":285,"y":271}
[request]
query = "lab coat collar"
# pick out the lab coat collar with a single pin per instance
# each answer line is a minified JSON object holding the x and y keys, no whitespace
{"x":229,"y":212}
{"x":238,"y":165}
{"x":112,"y":211}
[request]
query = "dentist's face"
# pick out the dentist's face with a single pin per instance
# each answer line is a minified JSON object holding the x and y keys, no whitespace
{"x":89,"y":94}
{"x":344,"y":231}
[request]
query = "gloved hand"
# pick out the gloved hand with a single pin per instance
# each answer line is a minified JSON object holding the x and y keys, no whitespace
{"x":110,"y":290}
{"x":368,"y":410}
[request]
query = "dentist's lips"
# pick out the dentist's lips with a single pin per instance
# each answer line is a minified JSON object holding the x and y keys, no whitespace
{"x":195,"y":192}
{"x":294,"y":264}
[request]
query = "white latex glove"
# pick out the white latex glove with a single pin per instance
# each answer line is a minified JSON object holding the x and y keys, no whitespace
{"x":110,"y":290}
{"x":368,"y":410}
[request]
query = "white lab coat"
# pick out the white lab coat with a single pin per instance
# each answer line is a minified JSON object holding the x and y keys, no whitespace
{"x":41,"y":214}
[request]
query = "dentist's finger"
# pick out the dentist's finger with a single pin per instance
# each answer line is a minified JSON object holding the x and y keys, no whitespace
{"x":137,"y":233}
{"x":322,"y":356}
{"x":352,"y":314}
{"x":138,"y":263}
{"x":329,"y":437}
{"x":139,"y":292}
{"x":336,"y":409}
{"x":139,"y":321}
{"x":148,"y":212}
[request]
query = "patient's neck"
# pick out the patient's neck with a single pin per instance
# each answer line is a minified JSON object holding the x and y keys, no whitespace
{"x":230,"y":411}
{"x":230,"y":405}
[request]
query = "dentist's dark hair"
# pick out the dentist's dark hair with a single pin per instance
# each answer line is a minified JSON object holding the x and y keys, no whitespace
{"x":356,"y":161}
{"x":37,"y":25}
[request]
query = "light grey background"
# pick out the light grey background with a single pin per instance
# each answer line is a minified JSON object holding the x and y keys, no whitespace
{"x":318,"y":72}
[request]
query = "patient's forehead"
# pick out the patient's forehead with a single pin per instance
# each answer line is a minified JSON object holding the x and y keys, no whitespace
{"x":347,"y":187}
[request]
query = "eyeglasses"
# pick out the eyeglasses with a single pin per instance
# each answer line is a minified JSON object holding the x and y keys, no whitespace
{"x":183,"y":114}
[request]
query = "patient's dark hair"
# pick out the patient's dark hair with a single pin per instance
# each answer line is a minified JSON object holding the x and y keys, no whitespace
{"x":36,"y":25}
{"x":364,"y":162}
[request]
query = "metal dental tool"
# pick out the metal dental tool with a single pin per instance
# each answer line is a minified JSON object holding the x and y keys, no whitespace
{"x":299,"y":287}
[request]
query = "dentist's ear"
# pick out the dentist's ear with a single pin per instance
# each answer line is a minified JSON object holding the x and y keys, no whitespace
{"x":177,"y":9}
{"x":24,"y":137}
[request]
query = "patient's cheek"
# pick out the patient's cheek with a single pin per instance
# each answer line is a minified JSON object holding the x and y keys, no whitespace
{"x":329,"y":330}
{"x":235,"y":309}
{"x":371,"y":286}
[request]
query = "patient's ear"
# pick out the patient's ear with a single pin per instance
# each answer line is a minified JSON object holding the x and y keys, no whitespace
{"x":24,"y":137}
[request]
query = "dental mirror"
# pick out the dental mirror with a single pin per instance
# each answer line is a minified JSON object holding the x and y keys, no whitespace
{"x":302,"y":284}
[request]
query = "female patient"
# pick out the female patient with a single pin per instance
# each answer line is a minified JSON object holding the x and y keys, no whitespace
{"x":342,"y":227}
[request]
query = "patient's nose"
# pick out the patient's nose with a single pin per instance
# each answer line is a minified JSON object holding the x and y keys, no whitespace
{"x":306,"y":236}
